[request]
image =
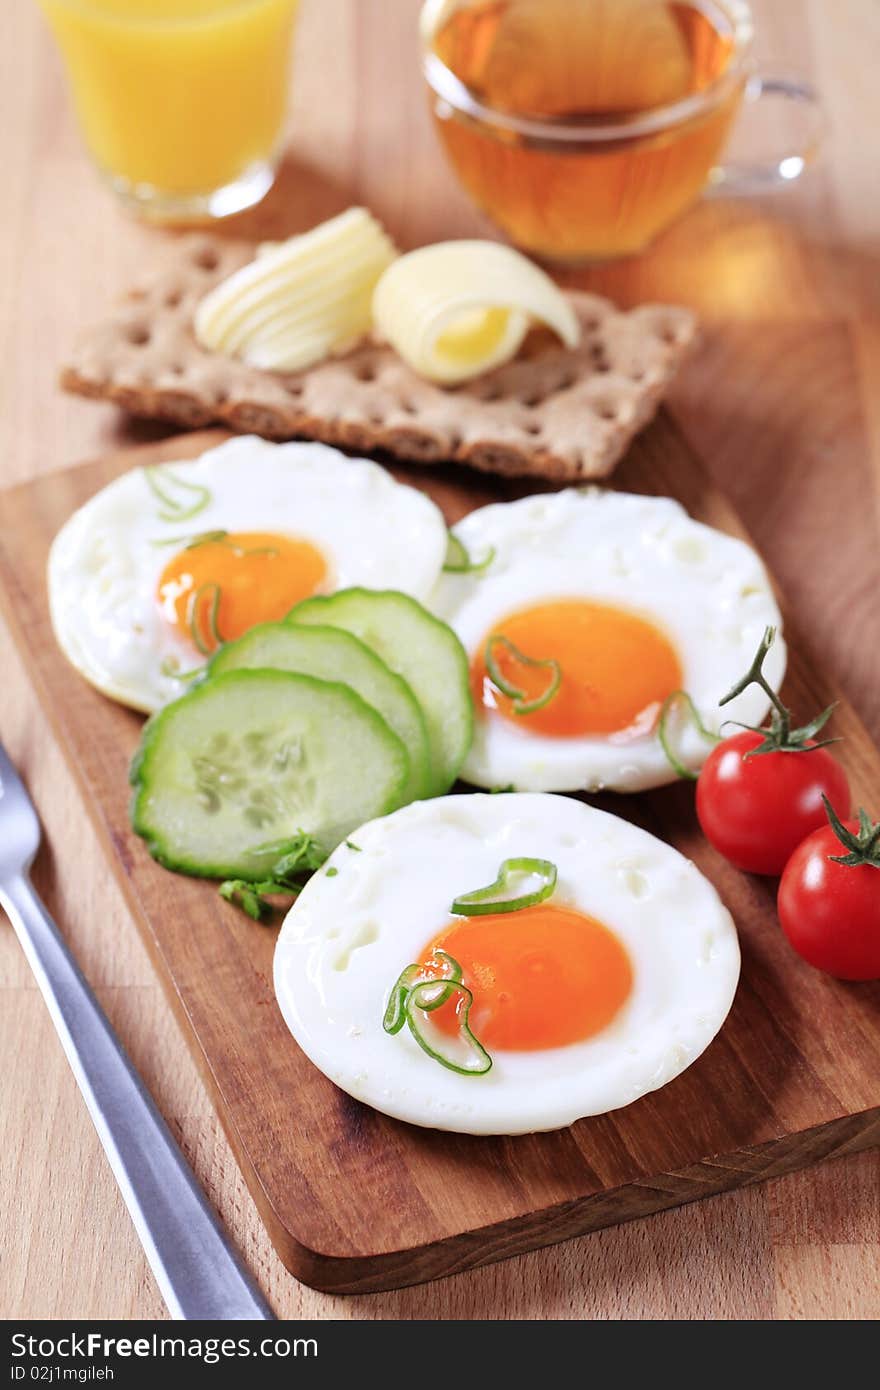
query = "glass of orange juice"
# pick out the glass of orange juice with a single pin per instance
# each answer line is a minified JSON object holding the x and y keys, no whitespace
{"x":181,"y":102}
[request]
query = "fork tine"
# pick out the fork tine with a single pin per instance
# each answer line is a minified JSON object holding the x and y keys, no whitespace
{"x":20,"y":824}
{"x":10,"y":782}
{"x":9,"y":778}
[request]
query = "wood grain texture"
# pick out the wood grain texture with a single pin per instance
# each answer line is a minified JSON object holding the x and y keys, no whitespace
{"x":782,"y":405}
{"x":794,"y":1076}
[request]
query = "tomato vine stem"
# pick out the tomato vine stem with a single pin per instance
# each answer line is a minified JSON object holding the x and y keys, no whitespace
{"x":779,"y":736}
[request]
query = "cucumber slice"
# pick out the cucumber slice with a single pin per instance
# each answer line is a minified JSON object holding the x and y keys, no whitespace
{"x":247,"y":759}
{"x":420,"y":648}
{"x":333,"y":654}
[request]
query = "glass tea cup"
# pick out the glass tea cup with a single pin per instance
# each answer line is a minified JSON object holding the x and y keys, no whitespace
{"x":583,"y":128}
{"x":181,"y":102}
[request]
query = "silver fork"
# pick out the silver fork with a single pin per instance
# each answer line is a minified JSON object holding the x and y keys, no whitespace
{"x":196,"y":1267}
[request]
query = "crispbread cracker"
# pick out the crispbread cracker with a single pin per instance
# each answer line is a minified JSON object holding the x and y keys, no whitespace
{"x":551,"y":413}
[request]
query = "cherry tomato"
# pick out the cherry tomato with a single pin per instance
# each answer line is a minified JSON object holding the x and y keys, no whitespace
{"x":830,"y":912}
{"x":757,"y":810}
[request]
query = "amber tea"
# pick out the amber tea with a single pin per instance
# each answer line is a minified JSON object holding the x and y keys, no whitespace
{"x":584,"y":127}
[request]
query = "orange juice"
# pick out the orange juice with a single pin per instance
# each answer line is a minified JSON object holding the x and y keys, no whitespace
{"x":178,"y":97}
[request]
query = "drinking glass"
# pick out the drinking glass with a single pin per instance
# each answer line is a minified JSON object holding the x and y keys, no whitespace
{"x":583,"y":128}
{"x":181,"y":102}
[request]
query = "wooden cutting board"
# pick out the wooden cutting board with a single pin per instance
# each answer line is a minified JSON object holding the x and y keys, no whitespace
{"x":355,"y":1201}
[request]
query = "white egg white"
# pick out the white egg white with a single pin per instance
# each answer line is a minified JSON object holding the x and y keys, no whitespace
{"x":350,"y":933}
{"x":706,"y":591}
{"x":105,"y":563}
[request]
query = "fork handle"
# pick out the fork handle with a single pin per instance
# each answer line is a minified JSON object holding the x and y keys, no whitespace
{"x":197,"y":1269}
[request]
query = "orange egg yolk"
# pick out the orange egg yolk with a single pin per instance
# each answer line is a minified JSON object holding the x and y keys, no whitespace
{"x":617,"y":669}
{"x":215,"y":590}
{"x":541,"y":977}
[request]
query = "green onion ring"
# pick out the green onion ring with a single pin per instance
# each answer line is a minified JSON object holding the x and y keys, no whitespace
{"x":416,"y":1002}
{"x":514,"y":692}
{"x":666,"y":709}
{"x":395,"y":1012}
{"x":413,"y":975}
{"x":191,"y":542}
{"x":192,"y":617}
{"x":166,"y":669}
{"x":207,"y":538}
{"x":484,"y":902}
{"x":215,"y":538}
{"x":176,"y":510}
{"x":458,"y":560}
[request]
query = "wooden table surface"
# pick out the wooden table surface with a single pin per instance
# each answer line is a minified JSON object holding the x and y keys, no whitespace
{"x":782,"y":402}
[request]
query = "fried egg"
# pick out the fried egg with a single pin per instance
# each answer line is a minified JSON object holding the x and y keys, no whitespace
{"x":584,"y":1002}
{"x":617,"y":600}
{"x":163,"y":564}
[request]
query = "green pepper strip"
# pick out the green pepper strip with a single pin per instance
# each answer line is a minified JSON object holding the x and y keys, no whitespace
{"x":484,"y":902}
{"x":458,"y":560}
{"x":418,"y":998}
{"x":412,"y":975}
{"x":520,"y":704}
{"x":176,"y":510}
{"x":194,"y":622}
{"x":666,"y":709}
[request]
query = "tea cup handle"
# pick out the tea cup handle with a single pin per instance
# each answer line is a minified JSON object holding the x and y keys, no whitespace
{"x":747,"y":176}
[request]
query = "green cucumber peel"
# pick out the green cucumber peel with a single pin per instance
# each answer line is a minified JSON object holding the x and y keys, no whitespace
{"x":421,"y":649}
